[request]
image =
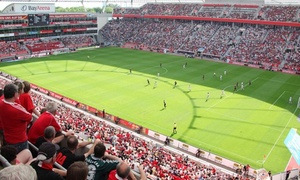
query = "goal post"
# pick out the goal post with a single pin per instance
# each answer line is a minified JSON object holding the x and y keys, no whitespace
{"x":298,"y":104}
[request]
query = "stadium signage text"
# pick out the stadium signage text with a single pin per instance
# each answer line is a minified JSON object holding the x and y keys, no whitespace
{"x":34,"y":8}
{"x":12,"y":17}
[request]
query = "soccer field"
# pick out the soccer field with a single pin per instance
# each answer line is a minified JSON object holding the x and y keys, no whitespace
{"x":243,"y":126}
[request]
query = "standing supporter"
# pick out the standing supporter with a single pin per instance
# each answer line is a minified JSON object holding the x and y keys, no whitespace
{"x":66,"y":155}
{"x":11,"y":155}
{"x":46,"y":119}
{"x":100,"y":163}
{"x":20,"y":86}
{"x":45,"y":161}
{"x":26,"y":101}
{"x":77,"y":171}
{"x":14,"y":119}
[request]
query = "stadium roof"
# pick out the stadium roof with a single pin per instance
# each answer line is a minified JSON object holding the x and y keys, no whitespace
{"x":172,"y":1}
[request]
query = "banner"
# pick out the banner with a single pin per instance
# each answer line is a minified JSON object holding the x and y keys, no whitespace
{"x":292,"y":143}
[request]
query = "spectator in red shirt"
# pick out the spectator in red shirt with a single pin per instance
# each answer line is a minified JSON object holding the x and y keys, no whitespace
{"x":20,"y":86}
{"x":14,"y":119}
{"x":46,"y":119}
{"x":123,"y":171}
{"x":26,"y":101}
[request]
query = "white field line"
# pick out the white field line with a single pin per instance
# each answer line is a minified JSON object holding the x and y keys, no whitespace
{"x":280,"y":135}
{"x":277,"y":100}
{"x":226,"y":97}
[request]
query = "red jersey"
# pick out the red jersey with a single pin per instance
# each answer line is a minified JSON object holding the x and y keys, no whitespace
{"x":37,"y":130}
{"x":113,"y":175}
{"x":26,"y":102}
{"x":14,"y":119}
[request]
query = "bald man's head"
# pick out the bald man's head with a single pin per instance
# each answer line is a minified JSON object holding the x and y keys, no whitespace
{"x":123,"y":170}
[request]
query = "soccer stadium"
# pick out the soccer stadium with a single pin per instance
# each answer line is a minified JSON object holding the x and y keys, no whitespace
{"x":157,"y":89}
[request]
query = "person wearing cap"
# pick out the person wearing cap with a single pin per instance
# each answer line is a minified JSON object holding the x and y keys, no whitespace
{"x":14,"y":119}
{"x":44,"y":162}
{"x":101,"y":163}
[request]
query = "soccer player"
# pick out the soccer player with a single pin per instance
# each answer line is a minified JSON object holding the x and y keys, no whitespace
{"x":234,"y":88}
{"x":165,"y":104}
{"x":222,"y":94}
{"x":148,"y":81}
{"x":174,"y":128}
{"x":130,"y":71}
{"x":190,"y":88}
{"x":203,"y":77}
{"x":250,"y":82}
{"x":290,"y":100}
{"x":157,"y":74}
{"x":207,"y":97}
{"x":214,"y":74}
{"x":183,"y":66}
{"x":225,"y":72}
{"x":160,"y":64}
{"x":155,"y":84}
{"x":242,"y":85}
{"x":175,"y":83}
{"x":221,"y":77}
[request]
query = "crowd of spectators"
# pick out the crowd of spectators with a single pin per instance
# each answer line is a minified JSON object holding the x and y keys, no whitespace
{"x":280,"y":13}
{"x":243,"y":13}
{"x":77,"y":41}
{"x":254,"y":44}
{"x":36,"y":46}
{"x":11,"y":49}
{"x":153,"y":158}
{"x":210,"y":11}
{"x":236,"y":11}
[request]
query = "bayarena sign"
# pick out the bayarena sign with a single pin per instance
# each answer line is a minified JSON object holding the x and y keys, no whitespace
{"x":34,"y":8}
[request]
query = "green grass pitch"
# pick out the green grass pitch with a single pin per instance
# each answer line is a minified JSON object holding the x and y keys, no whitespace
{"x":242,"y":126}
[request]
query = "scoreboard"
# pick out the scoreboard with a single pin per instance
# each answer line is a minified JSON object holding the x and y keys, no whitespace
{"x":38,"y":19}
